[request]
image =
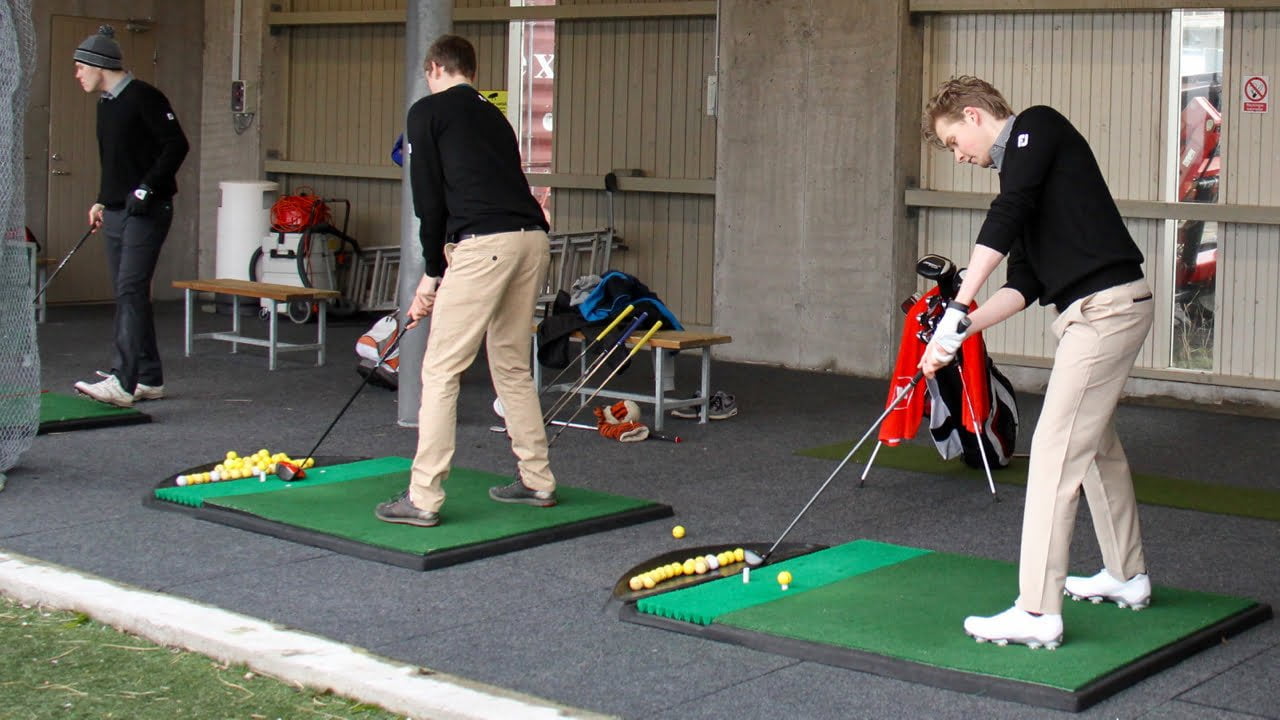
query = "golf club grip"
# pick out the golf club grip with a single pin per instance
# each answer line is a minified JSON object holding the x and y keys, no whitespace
{"x":656,"y":327}
{"x":625,"y":312}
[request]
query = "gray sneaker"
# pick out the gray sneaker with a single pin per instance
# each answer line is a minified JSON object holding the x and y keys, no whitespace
{"x":722,"y":406}
{"x":400,"y":509}
{"x":518,"y":492}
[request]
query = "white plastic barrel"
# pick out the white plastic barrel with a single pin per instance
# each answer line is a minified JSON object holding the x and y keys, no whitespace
{"x":244,"y":217}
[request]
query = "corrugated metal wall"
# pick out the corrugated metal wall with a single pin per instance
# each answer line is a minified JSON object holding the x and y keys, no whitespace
{"x":629,"y":94}
{"x":1249,"y":255}
{"x":1103,"y":71}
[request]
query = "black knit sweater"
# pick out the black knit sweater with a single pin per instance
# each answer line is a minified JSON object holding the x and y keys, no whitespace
{"x":139,"y":143}
{"x":464,"y":164}
{"x":1055,"y":217}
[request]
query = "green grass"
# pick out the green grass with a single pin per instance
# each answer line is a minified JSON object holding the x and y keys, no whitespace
{"x":58,"y":664}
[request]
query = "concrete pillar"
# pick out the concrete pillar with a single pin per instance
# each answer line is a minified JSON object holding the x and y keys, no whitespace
{"x":426,"y":21}
{"x":817,"y":140}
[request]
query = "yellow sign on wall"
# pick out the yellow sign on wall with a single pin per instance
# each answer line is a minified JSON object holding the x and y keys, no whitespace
{"x":497,"y":97}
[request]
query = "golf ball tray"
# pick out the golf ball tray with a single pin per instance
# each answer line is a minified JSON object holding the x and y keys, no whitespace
{"x":698,"y":565}
{"x":236,"y":467}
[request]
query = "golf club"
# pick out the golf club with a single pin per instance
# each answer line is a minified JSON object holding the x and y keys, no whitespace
{"x":58,"y":269}
{"x":915,"y":379}
{"x":289,"y":472}
{"x":587,"y":348}
{"x":643,"y":341}
{"x":581,"y":382}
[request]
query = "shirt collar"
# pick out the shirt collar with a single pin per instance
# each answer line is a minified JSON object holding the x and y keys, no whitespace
{"x":114,"y":92}
{"x":1002,"y":140}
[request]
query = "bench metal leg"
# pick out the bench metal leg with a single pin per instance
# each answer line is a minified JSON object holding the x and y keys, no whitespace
{"x":706,"y":384}
{"x":235,"y":322}
{"x":659,"y":391}
{"x":324,"y":307}
{"x":273,"y":325}
{"x":190,"y":305}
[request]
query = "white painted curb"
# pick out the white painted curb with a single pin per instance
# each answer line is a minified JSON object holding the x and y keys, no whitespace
{"x":289,"y":655}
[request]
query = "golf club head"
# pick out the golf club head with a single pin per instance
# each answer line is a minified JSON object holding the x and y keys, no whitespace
{"x":940,"y":270}
{"x":289,"y":472}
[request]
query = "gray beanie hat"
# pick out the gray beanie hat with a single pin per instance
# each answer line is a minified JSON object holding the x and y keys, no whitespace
{"x":100,"y":50}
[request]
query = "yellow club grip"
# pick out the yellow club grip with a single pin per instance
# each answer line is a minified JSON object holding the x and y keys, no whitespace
{"x":656,"y":327}
{"x":625,"y":312}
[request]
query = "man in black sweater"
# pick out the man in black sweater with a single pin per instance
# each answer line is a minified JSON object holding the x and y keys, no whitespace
{"x":486,"y":255}
{"x":141,"y":146}
{"x":1068,"y":247}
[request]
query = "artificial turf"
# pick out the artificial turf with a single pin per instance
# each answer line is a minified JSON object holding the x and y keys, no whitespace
{"x":900,"y":611}
{"x":333,"y":507}
{"x":1150,"y":489}
{"x":61,"y":413}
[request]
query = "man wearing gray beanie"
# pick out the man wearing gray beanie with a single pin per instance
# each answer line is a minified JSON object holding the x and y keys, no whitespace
{"x":141,"y":146}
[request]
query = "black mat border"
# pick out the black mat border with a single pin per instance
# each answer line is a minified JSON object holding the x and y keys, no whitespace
{"x":60,"y":426}
{"x":971,"y":683}
{"x":431,"y":561}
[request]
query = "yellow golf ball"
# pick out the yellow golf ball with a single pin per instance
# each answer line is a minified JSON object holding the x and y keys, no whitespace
{"x":739,"y":554}
{"x":636,"y":583}
{"x":688,"y":566}
{"x":648,"y":581}
{"x":784,"y":578}
{"x":677,"y":532}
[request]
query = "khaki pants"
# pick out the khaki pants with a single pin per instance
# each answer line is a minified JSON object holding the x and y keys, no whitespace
{"x":489,"y":291}
{"x":1075,"y":445}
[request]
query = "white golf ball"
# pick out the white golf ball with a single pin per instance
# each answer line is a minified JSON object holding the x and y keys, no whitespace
{"x":497,"y":408}
{"x":180,"y":480}
{"x":713,"y":562}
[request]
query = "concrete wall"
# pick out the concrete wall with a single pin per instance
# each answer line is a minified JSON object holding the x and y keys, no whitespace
{"x":227,"y":155}
{"x":179,"y":27}
{"x":818,"y":138}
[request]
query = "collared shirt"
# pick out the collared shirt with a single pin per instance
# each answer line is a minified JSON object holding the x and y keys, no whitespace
{"x":114,"y":92}
{"x":1002,"y":140}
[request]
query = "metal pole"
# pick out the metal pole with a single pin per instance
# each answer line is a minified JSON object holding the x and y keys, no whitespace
{"x":425,"y":21}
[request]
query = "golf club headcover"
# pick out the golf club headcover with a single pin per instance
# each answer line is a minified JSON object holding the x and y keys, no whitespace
{"x":622,"y":411}
{"x":139,"y":201}
{"x":625,"y":432}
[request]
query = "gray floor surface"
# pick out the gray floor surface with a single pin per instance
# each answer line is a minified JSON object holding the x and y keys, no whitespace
{"x":539,"y":621}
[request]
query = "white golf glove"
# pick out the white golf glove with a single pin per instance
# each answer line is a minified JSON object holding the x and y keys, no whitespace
{"x":949,"y":334}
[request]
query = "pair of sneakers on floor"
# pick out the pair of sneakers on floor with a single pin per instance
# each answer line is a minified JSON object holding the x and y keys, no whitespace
{"x":400,"y":509}
{"x":1016,"y":625}
{"x":109,"y":390}
{"x":721,"y":406}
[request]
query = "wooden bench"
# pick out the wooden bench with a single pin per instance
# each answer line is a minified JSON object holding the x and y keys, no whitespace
{"x":660,"y":344}
{"x":276,"y":294}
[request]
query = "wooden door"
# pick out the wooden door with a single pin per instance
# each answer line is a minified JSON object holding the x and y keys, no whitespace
{"x":73,"y":154}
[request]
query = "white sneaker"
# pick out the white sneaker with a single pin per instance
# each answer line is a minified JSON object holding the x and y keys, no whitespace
{"x":107,"y":391}
{"x":1134,"y":593}
{"x":1016,"y":626}
{"x":141,"y":391}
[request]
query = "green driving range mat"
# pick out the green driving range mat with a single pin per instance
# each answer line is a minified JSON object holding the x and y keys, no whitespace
{"x":333,"y":507}
{"x":1150,"y":489}
{"x":63,"y":413}
{"x":904,"y":619}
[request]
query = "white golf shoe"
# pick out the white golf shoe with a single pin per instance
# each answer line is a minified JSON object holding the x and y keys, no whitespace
{"x":107,"y":391}
{"x":1016,"y":626}
{"x":1134,"y":593}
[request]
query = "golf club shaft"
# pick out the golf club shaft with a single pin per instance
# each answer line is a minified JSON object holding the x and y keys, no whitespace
{"x":364,"y":381}
{"x":897,"y":399}
{"x":581,"y":382}
{"x":643,"y":341}
{"x":58,"y":269}
{"x":625,"y":312}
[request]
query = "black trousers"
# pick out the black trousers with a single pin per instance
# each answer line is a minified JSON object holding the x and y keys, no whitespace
{"x":133,"y":248}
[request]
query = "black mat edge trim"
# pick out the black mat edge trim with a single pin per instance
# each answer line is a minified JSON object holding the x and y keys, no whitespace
{"x":959,"y":680}
{"x":400,"y":558}
{"x":58,"y":426}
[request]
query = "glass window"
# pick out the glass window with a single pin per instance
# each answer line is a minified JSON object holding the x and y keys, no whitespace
{"x":1198,"y":41}
{"x":532,"y":93}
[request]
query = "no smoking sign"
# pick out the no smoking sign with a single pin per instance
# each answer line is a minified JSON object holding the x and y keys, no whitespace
{"x":1256,"y":88}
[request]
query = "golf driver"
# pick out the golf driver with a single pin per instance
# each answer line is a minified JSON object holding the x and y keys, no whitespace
{"x":58,"y":269}
{"x":915,"y":379}
{"x":289,"y":472}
